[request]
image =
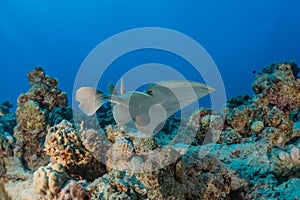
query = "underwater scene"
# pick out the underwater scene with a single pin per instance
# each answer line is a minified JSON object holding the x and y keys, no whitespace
{"x":149,"y":100}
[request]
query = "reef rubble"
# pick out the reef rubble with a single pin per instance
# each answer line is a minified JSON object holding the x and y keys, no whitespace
{"x":248,"y":150}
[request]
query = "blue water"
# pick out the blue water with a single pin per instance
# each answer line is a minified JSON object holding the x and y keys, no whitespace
{"x":240,"y":36}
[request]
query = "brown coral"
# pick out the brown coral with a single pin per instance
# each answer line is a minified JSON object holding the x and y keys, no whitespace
{"x":279,"y":86}
{"x":201,"y":120}
{"x":208,"y":178}
{"x":74,"y":190}
{"x":65,"y":147}
{"x":44,"y":90}
{"x":37,"y":110}
{"x":5,"y":151}
{"x":240,"y":119}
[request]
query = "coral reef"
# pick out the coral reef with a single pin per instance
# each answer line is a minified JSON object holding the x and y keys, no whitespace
{"x":257,"y":126}
{"x":37,"y":110}
{"x":18,"y":181}
{"x":200,"y":125}
{"x":116,"y":185}
{"x":74,"y":190}
{"x":43,"y":90}
{"x":5,"y":151}
{"x":279,"y":86}
{"x":240,"y":118}
{"x":96,"y":143}
{"x":286,"y":161}
{"x":7,"y":122}
{"x":7,"y":119}
{"x":271,"y":105}
{"x":64,"y":146}
{"x":48,"y":180}
{"x":210,"y":179}
{"x":250,"y":150}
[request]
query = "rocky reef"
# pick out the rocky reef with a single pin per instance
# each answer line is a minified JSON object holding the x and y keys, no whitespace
{"x":249,"y":150}
{"x":36,"y":112}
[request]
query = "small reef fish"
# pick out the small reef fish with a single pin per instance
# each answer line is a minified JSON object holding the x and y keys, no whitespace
{"x":147,"y":109}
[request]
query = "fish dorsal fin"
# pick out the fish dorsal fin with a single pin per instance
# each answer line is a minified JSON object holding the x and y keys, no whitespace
{"x":112,"y":89}
{"x":122,"y":87}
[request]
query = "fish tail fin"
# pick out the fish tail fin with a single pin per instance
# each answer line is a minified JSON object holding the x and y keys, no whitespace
{"x":90,"y":99}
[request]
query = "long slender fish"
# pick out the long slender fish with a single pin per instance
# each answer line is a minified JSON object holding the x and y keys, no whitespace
{"x":147,"y":109}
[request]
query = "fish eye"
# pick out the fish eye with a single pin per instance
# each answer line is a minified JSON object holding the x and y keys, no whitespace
{"x":150,"y":92}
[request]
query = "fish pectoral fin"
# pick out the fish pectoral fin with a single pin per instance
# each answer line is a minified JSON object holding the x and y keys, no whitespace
{"x":121,"y":114}
{"x":148,"y":122}
{"x":90,"y":99}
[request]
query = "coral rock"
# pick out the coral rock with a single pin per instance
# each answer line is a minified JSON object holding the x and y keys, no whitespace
{"x":207,"y":178}
{"x":240,"y":118}
{"x":116,"y":185}
{"x":279,"y":86}
{"x":199,"y":125}
{"x":96,"y":143}
{"x":122,"y":149}
{"x":31,"y":117}
{"x":49,"y":180}
{"x":35,"y":113}
{"x":257,"y":126}
{"x":74,"y":190}
{"x":286,"y":161}
{"x":44,"y":90}
{"x":64,"y":146}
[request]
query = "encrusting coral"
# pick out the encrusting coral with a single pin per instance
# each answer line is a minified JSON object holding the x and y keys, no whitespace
{"x":116,"y":185}
{"x":36,"y":117}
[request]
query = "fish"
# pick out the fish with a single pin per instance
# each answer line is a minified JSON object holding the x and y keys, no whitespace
{"x":147,"y":109}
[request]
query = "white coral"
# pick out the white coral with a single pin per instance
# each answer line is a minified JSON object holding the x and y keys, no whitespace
{"x":48,"y":180}
{"x":295,"y":154}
